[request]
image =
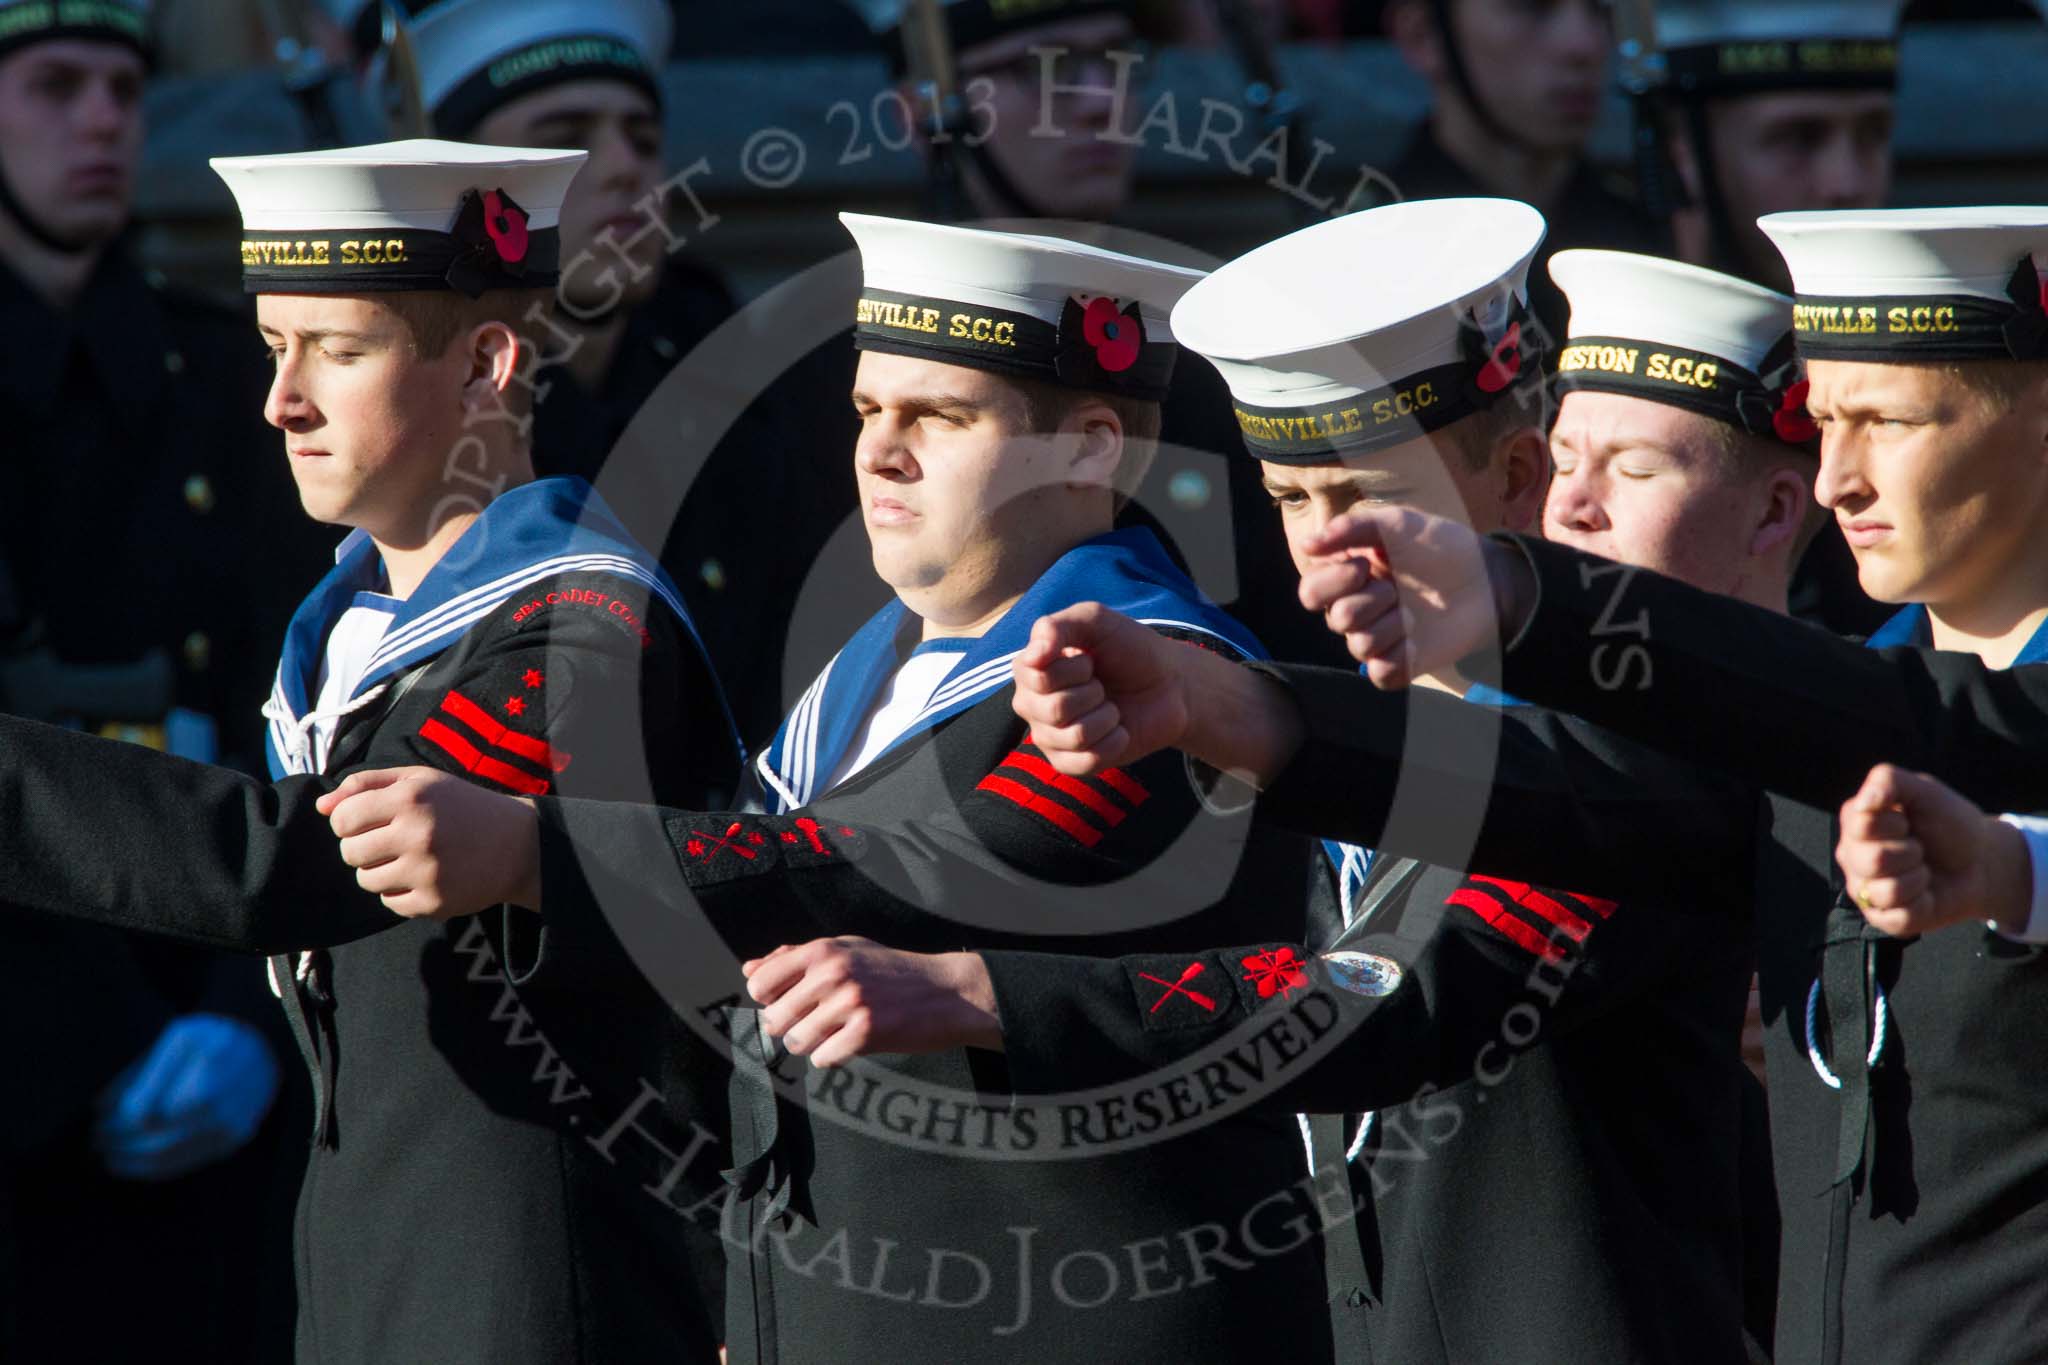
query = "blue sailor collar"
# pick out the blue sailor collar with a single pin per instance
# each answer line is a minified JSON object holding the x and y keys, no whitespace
{"x":1911,"y":627}
{"x":540,"y":529}
{"x":1125,"y":569}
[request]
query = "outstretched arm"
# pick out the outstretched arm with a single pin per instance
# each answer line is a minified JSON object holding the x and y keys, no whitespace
{"x":136,"y":839}
{"x":1519,"y":791}
{"x":1705,"y":677}
{"x":1098,"y":689}
{"x":1919,"y":857}
{"x":125,"y":836}
{"x":974,"y":830}
{"x":1398,"y":1015}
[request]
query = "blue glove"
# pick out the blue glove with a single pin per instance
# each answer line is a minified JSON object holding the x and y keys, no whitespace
{"x":196,"y":1096}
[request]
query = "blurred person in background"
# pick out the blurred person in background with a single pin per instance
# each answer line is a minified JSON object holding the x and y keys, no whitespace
{"x":1069,"y":63}
{"x":632,"y":304}
{"x":772,"y":29}
{"x":347,"y":32}
{"x":1774,"y":107}
{"x":583,"y":77}
{"x":1007,"y":171}
{"x":1516,"y":88}
{"x":140,"y":522}
{"x":1768,"y":108}
{"x":453,"y":1108}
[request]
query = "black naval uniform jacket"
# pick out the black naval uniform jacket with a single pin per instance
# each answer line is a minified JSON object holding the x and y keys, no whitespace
{"x":1557,"y":1167}
{"x":477,"y":1190}
{"x":1934,"y":1244}
{"x":913,"y":1211}
{"x":146,"y":516}
{"x":132,"y":516}
{"x":145,"y":510}
{"x":1200,"y":1245}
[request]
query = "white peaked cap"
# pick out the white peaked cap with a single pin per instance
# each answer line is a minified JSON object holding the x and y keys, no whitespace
{"x":474,"y":55}
{"x":1647,"y":327}
{"x":1935,"y":285}
{"x":1019,"y":303}
{"x":1650,"y":298}
{"x":310,"y":219}
{"x":1368,"y":330}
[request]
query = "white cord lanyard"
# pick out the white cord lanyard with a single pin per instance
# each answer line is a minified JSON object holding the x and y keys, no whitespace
{"x":1877,"y":1038}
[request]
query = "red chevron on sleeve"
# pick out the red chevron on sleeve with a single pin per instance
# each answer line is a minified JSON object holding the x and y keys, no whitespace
{"x":1529,"y":916}
{"x":525,"y":746}
{"x":480,"y":759}
{"x":474,"y":760}
{"x":1082,"y":808}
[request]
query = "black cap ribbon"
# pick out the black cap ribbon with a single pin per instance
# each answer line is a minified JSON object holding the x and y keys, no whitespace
{"x":491,"y":242}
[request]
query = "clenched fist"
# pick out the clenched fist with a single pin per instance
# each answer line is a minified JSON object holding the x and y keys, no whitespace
{"x":430,"y":845}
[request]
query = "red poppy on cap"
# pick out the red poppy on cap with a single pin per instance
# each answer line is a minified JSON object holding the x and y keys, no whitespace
{"x":505,"y":221}
{"x":1504,"y":363}
{"x":1793,"y":423}
{"x":1117,"y":337}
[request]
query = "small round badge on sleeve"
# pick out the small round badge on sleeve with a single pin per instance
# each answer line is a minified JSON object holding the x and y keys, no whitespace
{"x":1363,"y":973}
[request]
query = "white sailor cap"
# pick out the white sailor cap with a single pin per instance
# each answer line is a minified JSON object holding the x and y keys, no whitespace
{"x":1017,"y":303}
{"x":417,"y":215}
{"x":475,"y":55}
{"x":1730,"y":47}
{"x":1369,"y":330}
{"x":1646,"y":327}
{"x":32,"y":21}
{"x":1919,"y":285}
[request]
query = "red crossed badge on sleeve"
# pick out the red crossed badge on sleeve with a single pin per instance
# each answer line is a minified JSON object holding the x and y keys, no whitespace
{"x":1180,"y":987}
{"x":1276,"y":971}
{"x":737,"y":840}
{"x":759,"y":842}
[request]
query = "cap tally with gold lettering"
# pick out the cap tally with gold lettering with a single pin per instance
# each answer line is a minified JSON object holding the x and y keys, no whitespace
{"x":417,"y":215}
{"x":1017,"y":303}
{"x":1646,"y":327}
{"x":1372,"y":329}
{"x":475,"y":55}
{"x":1733,"y":47}
{"x":32,"y":21}
{"x":1917,"y":285}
